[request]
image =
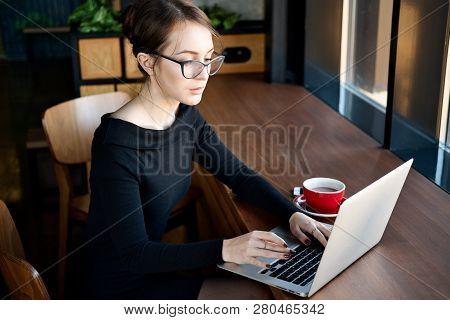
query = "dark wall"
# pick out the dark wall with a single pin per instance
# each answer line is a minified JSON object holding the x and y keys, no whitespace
{"x":46,"y":13}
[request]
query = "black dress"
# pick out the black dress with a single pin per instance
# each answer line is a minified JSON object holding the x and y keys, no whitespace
{"x":137,"y":177}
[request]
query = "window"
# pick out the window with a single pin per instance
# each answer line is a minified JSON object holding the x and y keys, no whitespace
{"x":366,"y":33}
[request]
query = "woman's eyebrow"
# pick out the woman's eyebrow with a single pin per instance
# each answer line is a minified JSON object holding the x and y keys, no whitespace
{"x":193,"y":52}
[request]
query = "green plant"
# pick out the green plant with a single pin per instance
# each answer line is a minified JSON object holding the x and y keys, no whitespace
{"x":95,"y":16}
{"x":221,"y":18}
{"x":34,"y":19}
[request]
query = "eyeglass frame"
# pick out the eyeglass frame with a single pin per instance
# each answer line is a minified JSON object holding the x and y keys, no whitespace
{"x":182,"y":63}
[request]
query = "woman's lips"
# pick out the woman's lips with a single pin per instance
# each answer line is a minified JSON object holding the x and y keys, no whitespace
{"x":197,"y":90}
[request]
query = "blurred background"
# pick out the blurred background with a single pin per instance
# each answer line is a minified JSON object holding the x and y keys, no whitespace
{"x":382,"y":64}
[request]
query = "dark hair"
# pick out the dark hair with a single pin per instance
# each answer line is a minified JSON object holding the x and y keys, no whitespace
{"x":147,"y":23}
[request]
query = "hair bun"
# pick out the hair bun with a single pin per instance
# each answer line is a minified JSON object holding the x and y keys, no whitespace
{"x":128,"y":20}
{"x":148,"y":23}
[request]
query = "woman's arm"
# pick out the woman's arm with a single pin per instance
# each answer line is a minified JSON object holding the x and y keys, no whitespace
{"x":213,"y":155}
{"x":247,"y":184}
{"x":118,"y":190}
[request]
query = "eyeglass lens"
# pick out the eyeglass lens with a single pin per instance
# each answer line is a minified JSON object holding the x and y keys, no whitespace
{"x":194,"y":68}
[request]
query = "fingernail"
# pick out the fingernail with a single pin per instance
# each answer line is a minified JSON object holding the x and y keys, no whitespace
{"x":293,"y":251}
{"x":307,"y":242}
{"x":267,"y":266}
{"x":287,"y":256}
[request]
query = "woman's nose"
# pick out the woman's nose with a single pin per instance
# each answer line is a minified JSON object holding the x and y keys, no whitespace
{"x":203,"y":75}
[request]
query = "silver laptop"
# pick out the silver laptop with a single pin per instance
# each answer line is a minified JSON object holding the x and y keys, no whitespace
{"x":359,"y":226}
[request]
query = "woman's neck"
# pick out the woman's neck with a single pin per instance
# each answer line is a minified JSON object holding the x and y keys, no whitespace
{"x":161,"y":110}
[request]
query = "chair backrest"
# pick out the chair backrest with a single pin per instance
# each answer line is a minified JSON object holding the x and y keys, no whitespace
{"x":22,"y":280}
{"x":70,"y":125}
{"x":10,"y":242}
{"x":219,"y":199}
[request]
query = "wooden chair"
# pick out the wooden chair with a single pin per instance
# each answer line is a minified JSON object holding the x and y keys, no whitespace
{"x":22,"y":280}
{"x":70,"y":128}
{"x":10,"y":242}
{"x":218,"y":198}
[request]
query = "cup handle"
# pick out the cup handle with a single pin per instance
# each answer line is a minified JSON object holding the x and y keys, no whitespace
{"x":301,"y":199}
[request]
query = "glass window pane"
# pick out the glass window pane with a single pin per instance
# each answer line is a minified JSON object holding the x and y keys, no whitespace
{"x":366,"y":33}
{"x":366,"y":64}
{"x":419,"y":111}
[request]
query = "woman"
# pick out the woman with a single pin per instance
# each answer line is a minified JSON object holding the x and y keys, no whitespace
{"x":141,"y":165}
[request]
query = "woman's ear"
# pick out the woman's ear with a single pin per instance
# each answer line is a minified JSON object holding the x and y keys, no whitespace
{"x":146,"y":61}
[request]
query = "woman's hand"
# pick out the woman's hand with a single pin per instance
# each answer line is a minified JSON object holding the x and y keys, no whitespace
{"x":245,"y":248}
{"x":300,"y":224}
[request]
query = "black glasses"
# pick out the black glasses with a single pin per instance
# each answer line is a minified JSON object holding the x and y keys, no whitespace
{"x":192,"y":68}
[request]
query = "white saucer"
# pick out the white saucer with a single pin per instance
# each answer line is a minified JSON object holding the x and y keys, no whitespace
{"x":303,"y":207}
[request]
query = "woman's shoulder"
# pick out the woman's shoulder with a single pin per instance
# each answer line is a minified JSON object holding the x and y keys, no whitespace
{"x":134,"y":113}
{"x":195,"y":116}
{"x":111,"y":140}
{"x":130,"y":113}
{"x":117,"y":130}
{"x":108,"y":158}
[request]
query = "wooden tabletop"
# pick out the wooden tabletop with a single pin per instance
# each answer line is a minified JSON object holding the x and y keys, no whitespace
{"x":412,"y":260}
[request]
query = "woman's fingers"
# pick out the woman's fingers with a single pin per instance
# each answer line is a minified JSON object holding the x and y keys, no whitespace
{"x":300,"y":235}
{"x":270,"y":246}
{"x":255,"y":252}
{"x":257,"y":263}
{"x":270,"y":236}
{"x":325,"y":231}
{"x":318,"y":234}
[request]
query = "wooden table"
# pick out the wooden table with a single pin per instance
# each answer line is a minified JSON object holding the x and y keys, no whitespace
{"x":412,"y":261}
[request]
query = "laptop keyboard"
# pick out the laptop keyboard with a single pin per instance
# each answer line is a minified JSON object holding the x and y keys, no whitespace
{"x":301,"y":267}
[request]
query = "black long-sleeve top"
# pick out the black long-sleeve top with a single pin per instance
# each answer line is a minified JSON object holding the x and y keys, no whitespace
{"x":137,"y":177}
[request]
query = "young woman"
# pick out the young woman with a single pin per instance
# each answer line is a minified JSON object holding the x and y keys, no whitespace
{"x":141,"y":164}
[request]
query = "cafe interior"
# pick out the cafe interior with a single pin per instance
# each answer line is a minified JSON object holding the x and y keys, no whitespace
{"x":357,"y":88}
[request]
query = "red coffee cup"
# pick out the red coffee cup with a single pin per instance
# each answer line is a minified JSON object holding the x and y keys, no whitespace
{"x":324,"y":195}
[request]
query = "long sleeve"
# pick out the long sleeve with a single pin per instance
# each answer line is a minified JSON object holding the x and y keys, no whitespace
{"x":117,"y":187}
{"x":247,"y":184}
